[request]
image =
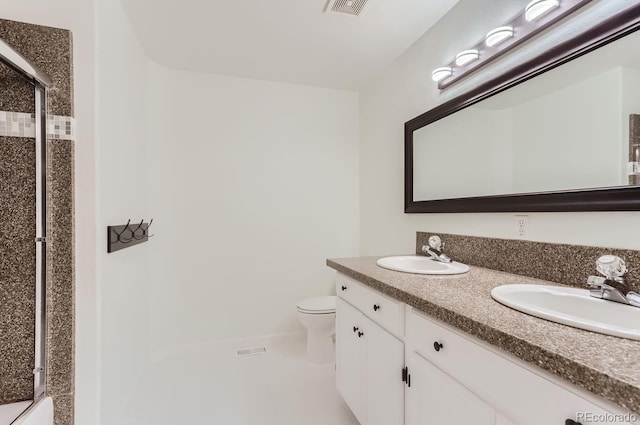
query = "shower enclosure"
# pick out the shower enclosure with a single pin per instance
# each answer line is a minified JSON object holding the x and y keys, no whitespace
{"x":13,"y":289}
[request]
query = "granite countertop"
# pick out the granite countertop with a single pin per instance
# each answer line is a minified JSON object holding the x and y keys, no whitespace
{"x":604,"y":365}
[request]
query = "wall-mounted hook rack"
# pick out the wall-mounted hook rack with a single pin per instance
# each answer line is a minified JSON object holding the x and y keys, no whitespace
{"x":126,"y":235}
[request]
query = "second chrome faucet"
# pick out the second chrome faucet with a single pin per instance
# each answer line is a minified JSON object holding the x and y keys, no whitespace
{"x":434,"y":250}
{"x":611,"y":285}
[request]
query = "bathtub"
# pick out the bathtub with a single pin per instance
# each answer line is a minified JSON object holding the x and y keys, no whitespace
{"x":9,"y":412}
{"x":38,"y":413}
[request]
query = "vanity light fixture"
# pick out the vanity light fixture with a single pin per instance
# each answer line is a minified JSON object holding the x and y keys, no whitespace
{"x":537,"y":16}
{"x":441,"y":73}
{"x":538,"y":8}
{"x":466,"y":57}
{"x":498,"y":35}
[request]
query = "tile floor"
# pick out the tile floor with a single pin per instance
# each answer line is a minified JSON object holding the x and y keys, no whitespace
{"x":211,"y":385}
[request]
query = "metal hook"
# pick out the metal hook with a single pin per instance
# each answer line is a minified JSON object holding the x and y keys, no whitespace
{"x":126,"y":227}
{"x":147,"y":229}
{"x":133,"y":232}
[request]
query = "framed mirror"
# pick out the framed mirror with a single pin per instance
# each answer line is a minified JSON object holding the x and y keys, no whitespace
{"x":557,"y":133}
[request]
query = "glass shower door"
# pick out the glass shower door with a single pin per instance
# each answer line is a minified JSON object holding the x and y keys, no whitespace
{"x":22,"y":244}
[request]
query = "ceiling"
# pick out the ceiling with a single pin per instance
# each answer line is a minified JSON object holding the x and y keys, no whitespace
{"x":282,"y":40}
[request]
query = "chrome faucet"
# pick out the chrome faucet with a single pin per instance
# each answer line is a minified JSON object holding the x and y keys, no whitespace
{"x":434,"y":250}
{"x":612,"y":286}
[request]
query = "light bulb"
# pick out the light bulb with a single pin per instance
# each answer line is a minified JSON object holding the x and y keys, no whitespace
{"x":538,"y":8}
{"x":466,"y":57}
{"x":498,"y":35}
{"x":441,"y":73}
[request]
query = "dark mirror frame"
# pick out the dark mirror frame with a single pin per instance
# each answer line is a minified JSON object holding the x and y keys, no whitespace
{"x":616,"y":198}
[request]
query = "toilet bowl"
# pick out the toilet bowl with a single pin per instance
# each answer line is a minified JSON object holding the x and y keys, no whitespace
{"x":318,"y":315}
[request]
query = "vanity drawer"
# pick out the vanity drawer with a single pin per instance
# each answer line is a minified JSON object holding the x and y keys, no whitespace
{"x":524,"y":396}
{"x":383,"y":310}
{"x":348,"y":289}
{"x":435,"y":343}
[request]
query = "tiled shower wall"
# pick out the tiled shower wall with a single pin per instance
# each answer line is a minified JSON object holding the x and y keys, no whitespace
{"x":17,"y":255}
{"x":51,"y":50}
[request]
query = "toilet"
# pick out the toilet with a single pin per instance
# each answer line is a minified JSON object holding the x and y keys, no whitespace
{"x":318,"y":315}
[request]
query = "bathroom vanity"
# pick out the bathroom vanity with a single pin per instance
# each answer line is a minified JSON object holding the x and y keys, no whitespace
{"x":417,"y":349}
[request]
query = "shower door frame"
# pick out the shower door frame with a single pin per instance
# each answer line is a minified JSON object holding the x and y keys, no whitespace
{"x":40,"y":367}
{"x":41,"y":83}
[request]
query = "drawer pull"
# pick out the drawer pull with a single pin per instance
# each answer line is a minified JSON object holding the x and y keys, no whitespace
{"x":571,"y":422}
{"x":355,"y":328}
{"x":360,"y":334}
{"x":376,"y":307}
{"x":437,"y":346}
{"x":344,"y":288}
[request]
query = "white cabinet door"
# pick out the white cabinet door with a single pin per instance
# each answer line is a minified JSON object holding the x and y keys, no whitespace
{"x":369,"y":362}
{"x":384,"y":363}
{"x":350,"y":371}
{"x":434,"y":398}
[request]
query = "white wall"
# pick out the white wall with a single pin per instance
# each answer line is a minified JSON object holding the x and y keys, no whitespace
{"x":406,"y":91}
{"x":77,"y":16}
{"x":122,"y":193}
{"x":254,"y":185}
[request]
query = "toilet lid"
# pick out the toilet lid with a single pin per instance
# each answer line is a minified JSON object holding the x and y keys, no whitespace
{"x":318,"y":305}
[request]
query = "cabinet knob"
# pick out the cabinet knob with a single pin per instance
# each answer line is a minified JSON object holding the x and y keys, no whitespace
{"x":344,"y":288}
{"x":376,"y":307}
{"x":571,"y":422}
{"x":360,"y":334}
{"x":355,"y":328}
{"x":437,"y":346}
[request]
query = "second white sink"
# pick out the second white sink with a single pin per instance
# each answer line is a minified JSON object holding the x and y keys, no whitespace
{"x":421,"y":265}
{"x":573,"y":307}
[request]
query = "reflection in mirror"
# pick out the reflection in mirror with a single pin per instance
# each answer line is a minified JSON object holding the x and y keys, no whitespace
{"x":566,"y":129}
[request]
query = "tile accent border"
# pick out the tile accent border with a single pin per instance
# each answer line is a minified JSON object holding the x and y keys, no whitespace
{"x":567,"y":264}
{"x":21,"y":124}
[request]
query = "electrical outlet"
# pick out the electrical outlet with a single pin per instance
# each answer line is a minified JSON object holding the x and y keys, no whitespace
{"x":522,"y":225}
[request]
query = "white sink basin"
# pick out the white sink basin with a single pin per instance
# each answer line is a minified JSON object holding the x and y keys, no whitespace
{"x":421,"y":265}
{"x":572,"y":307}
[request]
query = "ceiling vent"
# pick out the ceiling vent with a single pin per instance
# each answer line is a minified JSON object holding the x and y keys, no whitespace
{"x":346,"y":7}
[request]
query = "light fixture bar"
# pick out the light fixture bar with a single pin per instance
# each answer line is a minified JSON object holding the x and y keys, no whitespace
{"x":537,"y":15}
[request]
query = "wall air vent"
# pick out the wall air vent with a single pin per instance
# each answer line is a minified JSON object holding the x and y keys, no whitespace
{"x":251,"y":351}
{"x":346,"y":7}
